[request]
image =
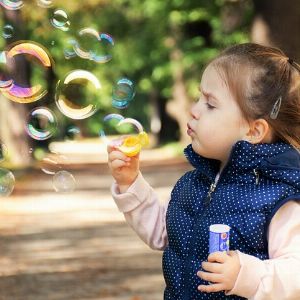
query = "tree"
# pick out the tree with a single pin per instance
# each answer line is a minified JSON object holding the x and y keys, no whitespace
{"x":13,"y":115}
{"x":277,"y":23}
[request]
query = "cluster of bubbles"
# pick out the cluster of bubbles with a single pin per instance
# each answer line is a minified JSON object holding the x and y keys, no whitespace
{"x":76,"y":96}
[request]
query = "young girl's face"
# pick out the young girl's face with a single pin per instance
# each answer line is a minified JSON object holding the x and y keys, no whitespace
{"x":217,"y":122}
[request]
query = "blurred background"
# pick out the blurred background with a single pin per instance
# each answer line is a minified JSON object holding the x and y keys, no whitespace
{"x":69,"y":72}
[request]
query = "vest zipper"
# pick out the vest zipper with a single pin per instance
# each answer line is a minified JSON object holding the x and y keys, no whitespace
{"x":208,"y":196}
{"x":256,"y":176}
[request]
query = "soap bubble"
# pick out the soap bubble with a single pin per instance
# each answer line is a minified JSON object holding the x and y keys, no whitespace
{"x":8,"y":31}
{"x":53,"y":162}
{"x":60,"y":20}
{"x":14,"y":91}
{"x":41,"y":123}
{"x":93,"y":45}
{"x":69,"y":49}
{"x":11,"y":4}
{"x":109,"y":128}
{"x":122,"y":93}
{"x":5,"y":77}
{"x":3,"y":152}
{"x":77,"y":95}
{"x":44,"y":3}
{"x":73,"y":133}
{"x":50,"y":166}
{"x":7,"y":182}
{"x":64,"y":182}
{"x":126,"y":134}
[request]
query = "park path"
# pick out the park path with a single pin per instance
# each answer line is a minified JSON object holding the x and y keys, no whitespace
{"x":77,"y":246}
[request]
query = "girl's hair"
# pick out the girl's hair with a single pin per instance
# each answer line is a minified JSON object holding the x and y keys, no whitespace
{"x":263,"y":78}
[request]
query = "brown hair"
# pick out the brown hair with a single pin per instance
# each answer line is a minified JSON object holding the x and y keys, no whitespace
{"x":258,"y":76}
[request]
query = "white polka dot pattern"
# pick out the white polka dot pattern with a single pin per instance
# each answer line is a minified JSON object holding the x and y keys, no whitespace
{"x":257,"y":180}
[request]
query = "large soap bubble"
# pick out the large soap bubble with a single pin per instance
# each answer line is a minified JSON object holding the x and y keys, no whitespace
{"x":77,"y":94}
{"x":9,"y":87}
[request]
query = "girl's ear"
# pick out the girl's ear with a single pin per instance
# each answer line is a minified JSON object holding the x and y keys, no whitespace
{"x":259,"y":132}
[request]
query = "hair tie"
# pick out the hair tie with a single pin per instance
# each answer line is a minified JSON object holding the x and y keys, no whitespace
{"x":276,"y":108}
{"x":290,"y":61}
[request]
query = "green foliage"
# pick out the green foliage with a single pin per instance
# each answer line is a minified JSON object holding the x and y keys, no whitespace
{"x":145,"y":33}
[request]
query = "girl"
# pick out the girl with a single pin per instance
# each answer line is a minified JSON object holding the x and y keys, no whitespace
{"x":245,"y":141}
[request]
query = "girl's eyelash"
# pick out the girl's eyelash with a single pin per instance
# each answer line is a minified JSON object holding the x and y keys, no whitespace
{"x":209,"y":106}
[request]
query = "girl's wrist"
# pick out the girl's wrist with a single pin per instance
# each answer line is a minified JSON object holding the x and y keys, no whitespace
{"x":123,"y":188}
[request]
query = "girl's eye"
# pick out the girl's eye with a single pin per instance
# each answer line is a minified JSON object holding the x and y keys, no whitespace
{"x":209,"y":106}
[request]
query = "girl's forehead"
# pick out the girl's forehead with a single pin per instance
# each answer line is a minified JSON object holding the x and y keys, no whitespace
{"x":213,"y":79}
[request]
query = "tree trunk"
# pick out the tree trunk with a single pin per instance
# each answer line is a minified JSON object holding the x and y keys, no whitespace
{"x":178,"y":106}
{"x":13,"y":115}
{"x":277,"y":23}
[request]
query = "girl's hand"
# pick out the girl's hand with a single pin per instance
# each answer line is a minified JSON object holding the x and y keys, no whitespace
{"x":124,"y":169}
{"x":222,"y":271}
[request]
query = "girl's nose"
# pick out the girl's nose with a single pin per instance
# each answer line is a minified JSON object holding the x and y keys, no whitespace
{"x":195,"y":111}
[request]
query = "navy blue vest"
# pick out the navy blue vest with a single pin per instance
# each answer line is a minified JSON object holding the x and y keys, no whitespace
{"x":256,"y":181}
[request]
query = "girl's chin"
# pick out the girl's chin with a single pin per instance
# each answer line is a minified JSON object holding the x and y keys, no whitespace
{"x":196,"y":147}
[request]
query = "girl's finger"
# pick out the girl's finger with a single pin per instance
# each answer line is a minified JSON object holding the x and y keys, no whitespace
{"x":212,"y":267}
{"x":110,"y":148}
{"x":211,"y":277}
{"x":211,"y":288}
{"x":219,"y":256}
{"x":117,"y":163}
{"x":118,"y":155}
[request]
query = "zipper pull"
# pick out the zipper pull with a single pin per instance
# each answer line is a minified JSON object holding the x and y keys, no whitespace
{"x":257,"y":176}
{"x":211,"y":190}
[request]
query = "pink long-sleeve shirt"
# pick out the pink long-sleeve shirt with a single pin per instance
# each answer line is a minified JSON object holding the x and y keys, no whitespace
{"x":277,"y":278}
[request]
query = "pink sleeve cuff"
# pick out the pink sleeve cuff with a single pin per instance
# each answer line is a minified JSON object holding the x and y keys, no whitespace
{"x":249,"y":277}
{"x":136,"y":194}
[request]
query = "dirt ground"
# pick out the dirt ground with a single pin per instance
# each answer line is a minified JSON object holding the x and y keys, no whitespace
{"x":77,"y":246}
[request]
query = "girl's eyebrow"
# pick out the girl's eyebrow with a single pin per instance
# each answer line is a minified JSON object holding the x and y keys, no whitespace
{"x":207,"y":94}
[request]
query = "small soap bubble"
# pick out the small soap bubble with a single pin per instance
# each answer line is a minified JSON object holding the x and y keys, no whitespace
{"x":60,"y":20}
{"x":14,"y":91}
{"x":93,"y":45}
{"x":50,"y":166}
{"x":11,"y":4}
{"x":63,"y":182}
{"x":126,"y":134}
{"x":41,"y":123}
{"x":73,"y":133}
{"x":122,"y":93}
{"x":77,"y":95}
{"x":8,"y":31}
{"x":44,"y":3}
{"x":3,"y":152}
{"x":69,"y":49}
{"x":7,"y":182}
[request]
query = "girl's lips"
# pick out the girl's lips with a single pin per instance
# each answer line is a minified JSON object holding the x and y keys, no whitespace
{"x":189,"y":130}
